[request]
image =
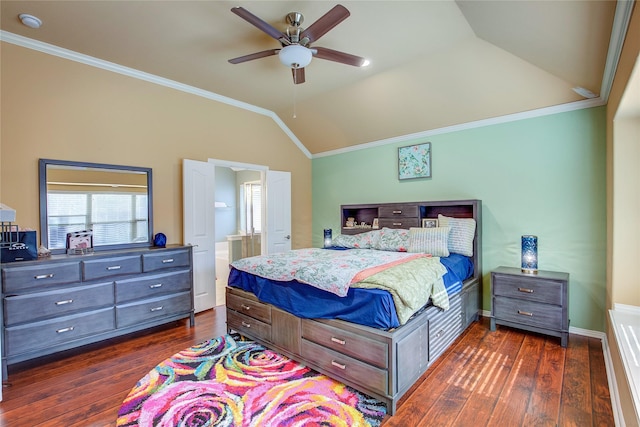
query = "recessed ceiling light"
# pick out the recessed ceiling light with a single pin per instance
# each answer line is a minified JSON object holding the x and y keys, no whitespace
{"x":30,"y":20}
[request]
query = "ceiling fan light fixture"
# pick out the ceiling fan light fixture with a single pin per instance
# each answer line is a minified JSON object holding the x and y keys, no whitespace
{"x":295,"y":56}
{"x":30,"y":20}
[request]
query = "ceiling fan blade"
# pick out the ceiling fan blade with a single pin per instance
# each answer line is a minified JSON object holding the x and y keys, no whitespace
{"x":259,"y":23}
{"x":298,"y":75}
{"x":326,"y":22}
{"x":341,"y":57}
{"x":252,"y":56}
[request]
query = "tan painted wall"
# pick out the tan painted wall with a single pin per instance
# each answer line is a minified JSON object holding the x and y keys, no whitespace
{"x":622,"y":178}
{"x":59,"y":109}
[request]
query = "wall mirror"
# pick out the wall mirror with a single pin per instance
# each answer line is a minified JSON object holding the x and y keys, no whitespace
{"x":114,"y":201}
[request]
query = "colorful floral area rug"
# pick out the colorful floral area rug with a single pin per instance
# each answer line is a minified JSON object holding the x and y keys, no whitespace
{"x":231,"y":381}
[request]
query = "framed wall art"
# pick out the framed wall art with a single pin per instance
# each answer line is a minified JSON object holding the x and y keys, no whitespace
{"x":414,"y":161}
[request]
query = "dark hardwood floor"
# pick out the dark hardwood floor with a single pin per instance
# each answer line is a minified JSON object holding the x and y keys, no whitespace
{"x":502,"y":378}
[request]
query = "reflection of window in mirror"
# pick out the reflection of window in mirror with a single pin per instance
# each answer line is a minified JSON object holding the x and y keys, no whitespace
{"x":251,"y":211}
{"x":112,"y":204}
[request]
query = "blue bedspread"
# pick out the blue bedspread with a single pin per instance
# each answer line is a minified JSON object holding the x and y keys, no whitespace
{"x":369,"y":307}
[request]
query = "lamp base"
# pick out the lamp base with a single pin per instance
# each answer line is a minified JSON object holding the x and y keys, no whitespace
{"x":529,"y":271}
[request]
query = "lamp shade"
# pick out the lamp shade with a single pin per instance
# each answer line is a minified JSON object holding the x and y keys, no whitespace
{"x":295,"y":56}
{"x":327,"y":237}
{"x":530,"y":254}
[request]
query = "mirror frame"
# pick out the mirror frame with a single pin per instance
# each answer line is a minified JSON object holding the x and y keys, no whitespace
{"x":44,"y":223}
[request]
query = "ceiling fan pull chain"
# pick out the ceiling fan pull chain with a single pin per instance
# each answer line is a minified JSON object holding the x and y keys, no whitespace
{"x":294,"y":94}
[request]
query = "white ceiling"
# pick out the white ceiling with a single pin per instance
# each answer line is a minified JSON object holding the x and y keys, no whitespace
{"x":433,"y":63}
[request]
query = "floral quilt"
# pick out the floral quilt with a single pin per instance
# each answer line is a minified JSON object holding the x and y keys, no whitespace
{"x":332,"y":271}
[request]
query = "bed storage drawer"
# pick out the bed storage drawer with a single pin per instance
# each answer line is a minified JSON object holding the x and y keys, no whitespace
{"x":365,"y":349}
{"x":398,"y":222}
{"x":249,"y":307}
{"x":399,"y":211}
{"x":444,"y":327}
{"x":248,"y":325}
{"x":346,"y":367}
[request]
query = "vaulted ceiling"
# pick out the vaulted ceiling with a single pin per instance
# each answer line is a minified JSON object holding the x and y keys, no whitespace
{"x":433,"y":64}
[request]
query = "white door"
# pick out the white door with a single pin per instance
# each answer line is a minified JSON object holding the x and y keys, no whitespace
{"x":198,"y":189}
{"x":278,"y":215}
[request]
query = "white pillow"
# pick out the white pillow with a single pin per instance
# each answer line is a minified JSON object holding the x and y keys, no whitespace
{"x":432,"y":241}
{"x":461,"y":234}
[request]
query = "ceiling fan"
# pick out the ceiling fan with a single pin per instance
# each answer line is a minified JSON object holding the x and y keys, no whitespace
{"x":296,"y":51}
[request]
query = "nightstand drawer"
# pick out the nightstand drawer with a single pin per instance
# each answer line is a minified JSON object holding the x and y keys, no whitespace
{"x":528,"y":312}
{"x":530,"y":289}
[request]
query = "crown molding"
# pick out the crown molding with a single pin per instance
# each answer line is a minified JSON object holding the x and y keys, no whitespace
{"x":141,"y":75}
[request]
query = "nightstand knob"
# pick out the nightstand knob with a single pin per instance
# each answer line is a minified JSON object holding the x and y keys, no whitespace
{"x":526,"y":290}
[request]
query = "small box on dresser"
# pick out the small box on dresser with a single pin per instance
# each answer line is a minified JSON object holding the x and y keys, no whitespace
{"x":533,"y":302}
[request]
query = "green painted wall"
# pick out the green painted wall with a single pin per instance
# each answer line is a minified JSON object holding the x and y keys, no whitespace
{"x":542,"y":176}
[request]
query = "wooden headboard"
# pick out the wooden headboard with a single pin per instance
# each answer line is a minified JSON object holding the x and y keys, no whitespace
{"x":411,"y":214}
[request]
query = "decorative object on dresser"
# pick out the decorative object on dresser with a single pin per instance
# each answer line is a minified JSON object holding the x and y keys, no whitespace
{"x":536,"y":303}
{"x":529,"y":261}
{"x":381,"y":361}
{"x":414,"y":161}
{"x":63,"y":302}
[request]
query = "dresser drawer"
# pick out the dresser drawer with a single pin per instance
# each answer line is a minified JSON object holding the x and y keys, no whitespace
{"x":346,"y":367}
{"x":60,"y":302}
{"x":150,"y":309}
{"x":531,"y":289}
{"x":15,"y":279}
{"x":249,"y":307}
{"x":152,"y":285}
{"x":44,"y":334}
{"x":365,"y":349}
{"x":248,"y":325}
{"x":528,"y":312}
{"x":399,"y":211}
{"x":100,"y":268}
{"x":398,"y":222}
{"x":153,"y":261}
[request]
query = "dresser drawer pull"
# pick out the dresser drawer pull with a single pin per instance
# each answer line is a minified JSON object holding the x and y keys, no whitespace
{"x":397,"y":212}
{"x":245,"y":324}
{"x":338,"y":365}
{"x":67,"y":301}
{"x":397,"y":223}
{"x":156,"y":309}
{"x":245,"y":307}
{"x":157,"y":285}
{"x":63,"y":330}
{"x":167,"y":261}
{"x":338,"y":341}
{"x":526,"y":290}
{"x":525,"y":313}
{"x":43,"y":276}
{"x":114,"y":267}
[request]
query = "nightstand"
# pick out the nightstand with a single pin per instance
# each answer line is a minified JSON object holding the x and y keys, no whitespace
{"x":533,"y":302}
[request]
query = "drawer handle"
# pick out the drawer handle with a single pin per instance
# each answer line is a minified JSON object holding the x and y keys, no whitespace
{"x":338,"y":365}
{"x":440,"y":333}
{"x":67,"y":301}
{"x":156,"y":309}
{"x":245,"y":324}
{"x":397,"y":223}
{"x":157,"y":285}
{"x":245,"y":307}
{"x":526,"y":290}
{"x":338,"y":340}
{"x":43,"y":276}
{"x":525,"y":313}
{"x":63,"y":330}
{"x":167,"y":261}
{"x":114,"y":267}
{"x":397,"y":212}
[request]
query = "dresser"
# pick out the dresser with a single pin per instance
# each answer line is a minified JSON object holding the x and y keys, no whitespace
{"x":533,"y":302}
{"x":66,"y":301}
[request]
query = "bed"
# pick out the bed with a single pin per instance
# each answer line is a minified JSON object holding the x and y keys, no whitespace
{"x":358,"y":333}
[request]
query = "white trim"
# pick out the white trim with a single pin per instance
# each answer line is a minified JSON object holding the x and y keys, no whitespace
{"x":231,"y":164}
{"x":618,"y":34}
{"x":618,"y":416}
{"x":634,"y":309}
{"x":562,"y":108}
{"x":141,"y":75}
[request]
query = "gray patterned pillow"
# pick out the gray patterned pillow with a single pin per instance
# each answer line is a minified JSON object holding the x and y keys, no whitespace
{"x":392,"y":239}
{"x":434,"y":241}
{"x":356,"y":241}
{"x":461,"y":234}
